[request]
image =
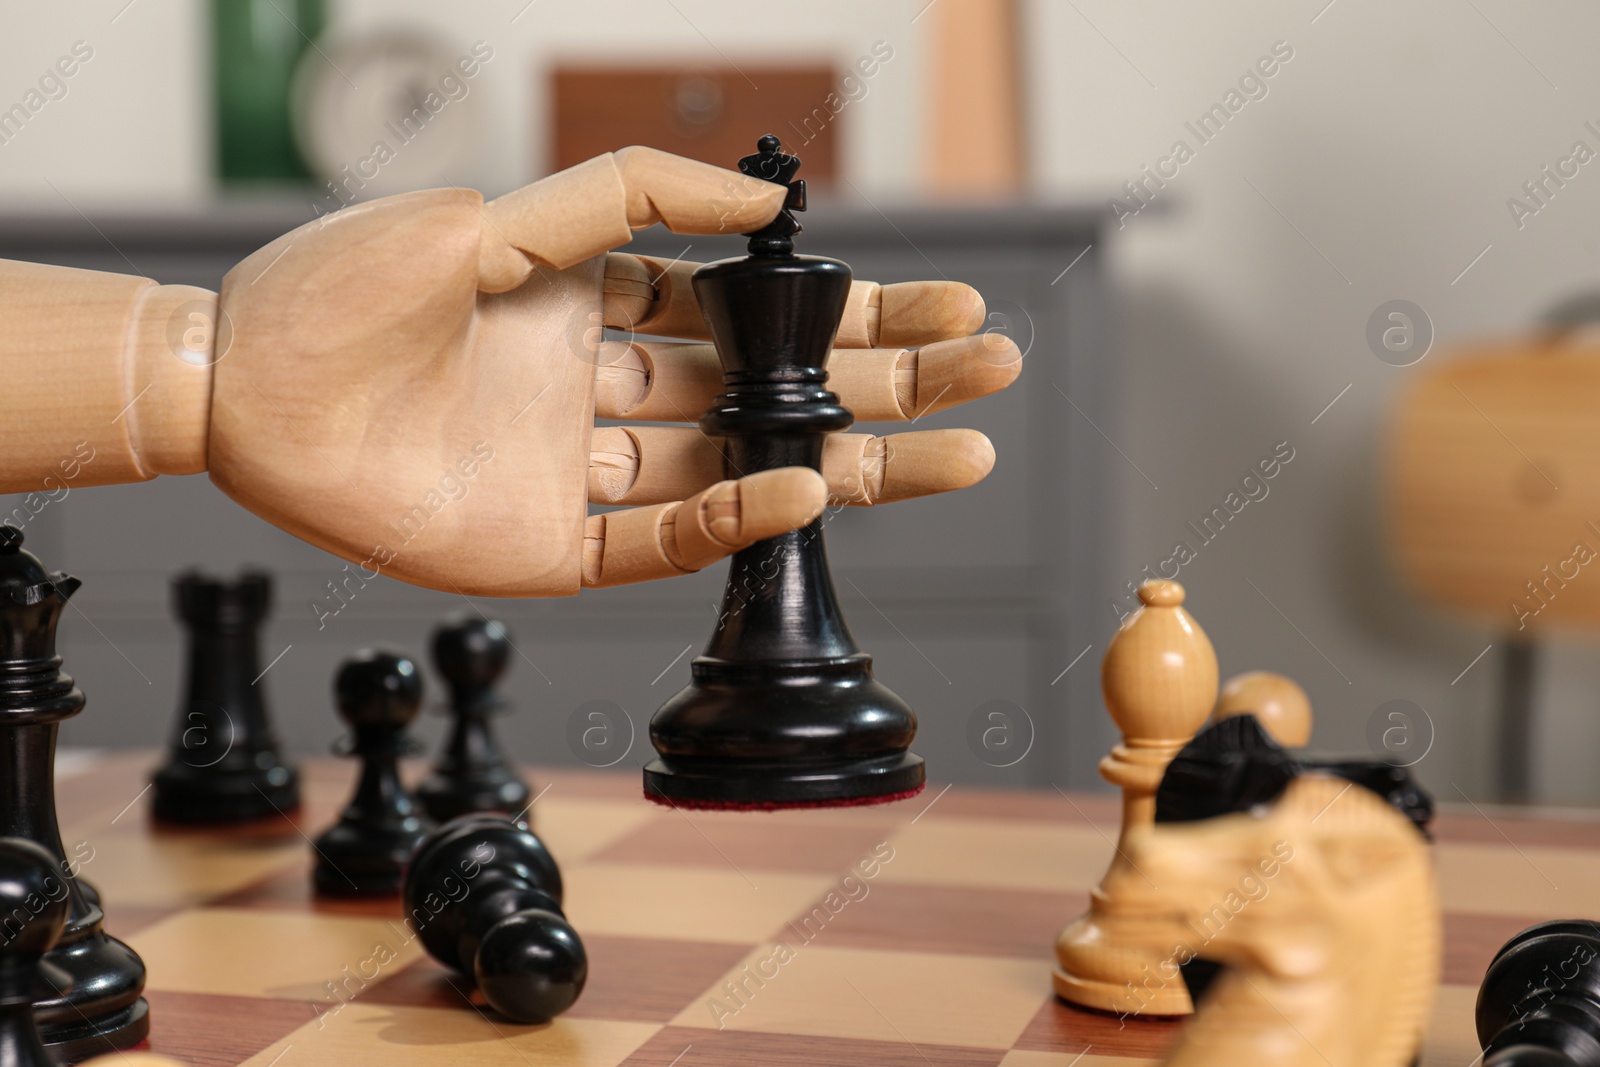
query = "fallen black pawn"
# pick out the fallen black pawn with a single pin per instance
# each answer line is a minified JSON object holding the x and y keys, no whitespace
{"x":1539,"y":1005}
{"x":485,"y":897}
{"x":365,"y":852}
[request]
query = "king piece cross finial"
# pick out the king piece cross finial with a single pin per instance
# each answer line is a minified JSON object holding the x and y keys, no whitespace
{"x":770,"y":163}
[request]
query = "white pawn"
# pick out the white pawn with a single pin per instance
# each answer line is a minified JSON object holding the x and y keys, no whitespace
{"x":1159,"y":679}
{"x":1280,"y":705}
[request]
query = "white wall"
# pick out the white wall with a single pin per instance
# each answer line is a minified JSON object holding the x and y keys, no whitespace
{"x":1376,"y":167}
{"x":132,"y":125}
{"x":135,"y":121}
{"x":1391,"y":142}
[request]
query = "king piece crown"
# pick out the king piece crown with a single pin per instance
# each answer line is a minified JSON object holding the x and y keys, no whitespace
{"x":770,"y":163}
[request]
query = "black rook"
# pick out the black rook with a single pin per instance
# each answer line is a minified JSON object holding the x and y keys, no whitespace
{"x":223,"y":765}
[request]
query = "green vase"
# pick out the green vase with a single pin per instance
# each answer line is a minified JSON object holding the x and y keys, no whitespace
{"x":257,"y":44}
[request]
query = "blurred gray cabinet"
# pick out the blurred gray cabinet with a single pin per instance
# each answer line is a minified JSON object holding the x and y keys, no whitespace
{"x":973,"y":604}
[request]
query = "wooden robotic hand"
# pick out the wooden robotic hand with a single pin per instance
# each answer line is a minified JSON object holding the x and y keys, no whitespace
{"x":412,"y":384}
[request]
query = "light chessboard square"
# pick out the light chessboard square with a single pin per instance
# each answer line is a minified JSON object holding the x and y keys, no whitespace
{"x":145,"y":870}
{"x":696,"y":904}
{"x":880,"y":996}
{"x":983,"y":852}
{"x":287,"y":955}
{"x":576,"y":828}
{"x":361,"y":1034}
{"x":1019,"y":1058}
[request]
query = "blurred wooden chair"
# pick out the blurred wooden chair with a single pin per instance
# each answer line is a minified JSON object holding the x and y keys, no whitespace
{"x":1493,"y":499}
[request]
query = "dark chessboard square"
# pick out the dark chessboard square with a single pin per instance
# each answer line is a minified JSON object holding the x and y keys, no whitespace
{"x":1470,"y":942}
{"x":1061,"y":1027}
{"x":630,"y":978}
{"x":732,"y":1048}
{"x":1497,"y":826}
{"x":953,"y":919}
{"x":185,"y":1026}
{"x":424,"y":984}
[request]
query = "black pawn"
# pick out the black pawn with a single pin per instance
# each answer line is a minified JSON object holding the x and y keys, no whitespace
{"x":223,"y":765}
{"x":379,"y":694}
{"x":96,"y":1006}
{"x":1539,"y":1005}
{"x":472,"y":774}
{"x":485,"y":897}
{"x":782,"y":709}
{"x":34,"y":903}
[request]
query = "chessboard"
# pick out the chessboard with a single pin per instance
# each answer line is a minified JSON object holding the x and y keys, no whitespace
{"x":918,"y":933}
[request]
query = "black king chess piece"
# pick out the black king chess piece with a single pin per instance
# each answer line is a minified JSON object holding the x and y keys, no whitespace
{"x":1539,"y":1005}
{"x":365,"y":852}
{"x":223,"y":765}
{"x":95,"y":1003}
{"x":782,"y":709}
{"x":472,"y":774}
